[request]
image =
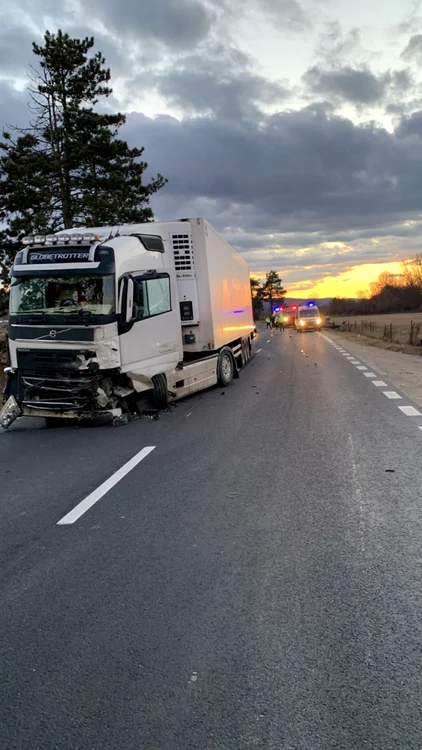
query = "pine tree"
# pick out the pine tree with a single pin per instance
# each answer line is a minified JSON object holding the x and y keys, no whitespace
{"x":69,"y":168}
{"x":272,"y":288}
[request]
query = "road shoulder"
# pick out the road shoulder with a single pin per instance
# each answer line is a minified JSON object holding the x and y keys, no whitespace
{"x":402,"y":370}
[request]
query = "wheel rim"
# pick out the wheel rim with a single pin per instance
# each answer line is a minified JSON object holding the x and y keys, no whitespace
{"x":226,"y":367}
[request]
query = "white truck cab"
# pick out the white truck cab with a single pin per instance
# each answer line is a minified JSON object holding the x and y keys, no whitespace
{"x":99,"y":315}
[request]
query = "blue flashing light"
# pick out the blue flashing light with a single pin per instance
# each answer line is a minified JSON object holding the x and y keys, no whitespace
{"x":276,"y":309}
{"x":311,"y":304}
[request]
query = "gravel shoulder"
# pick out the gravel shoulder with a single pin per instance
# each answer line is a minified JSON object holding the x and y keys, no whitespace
{"x":401,"y":369}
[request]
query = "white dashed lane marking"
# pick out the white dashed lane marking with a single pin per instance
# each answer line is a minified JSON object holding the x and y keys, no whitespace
{"x":410,"y":411}
{"x":105,"y":487}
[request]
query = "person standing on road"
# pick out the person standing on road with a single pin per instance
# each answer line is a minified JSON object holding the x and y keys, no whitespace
{"x":268,"y":321}
{"x":280,"y":321}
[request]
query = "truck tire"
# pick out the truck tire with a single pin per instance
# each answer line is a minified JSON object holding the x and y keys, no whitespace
{"x":160,"y":392}
{"x":225,"y":367}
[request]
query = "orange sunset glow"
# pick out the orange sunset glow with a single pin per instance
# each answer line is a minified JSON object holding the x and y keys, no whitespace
{"x":346,"y":284}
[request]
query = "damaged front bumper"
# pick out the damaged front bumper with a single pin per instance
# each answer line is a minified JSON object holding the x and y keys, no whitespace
{"x":53,"y":384}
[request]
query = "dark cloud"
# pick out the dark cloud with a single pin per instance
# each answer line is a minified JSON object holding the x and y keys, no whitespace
{"x":301,"y":172}
{"x":413,"y":50}
{"x":286,"y":13}
{"x":219,"y":82}
{"x":177,"y":23}
{"x":410,"y":126}
{"x":356,"y":85}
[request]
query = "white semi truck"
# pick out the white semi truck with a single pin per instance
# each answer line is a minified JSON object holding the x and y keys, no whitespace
{"x":98,"y":316}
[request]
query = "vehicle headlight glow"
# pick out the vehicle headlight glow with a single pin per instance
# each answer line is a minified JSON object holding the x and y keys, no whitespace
{"x":302,"y":322}
{"x":318,"y":320}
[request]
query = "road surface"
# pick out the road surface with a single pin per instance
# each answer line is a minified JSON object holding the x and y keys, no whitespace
{"x":254,"y":581}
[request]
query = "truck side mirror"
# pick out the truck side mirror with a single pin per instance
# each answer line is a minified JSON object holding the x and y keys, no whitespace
{"x":129,"y":300}
{"x":125,"y":304}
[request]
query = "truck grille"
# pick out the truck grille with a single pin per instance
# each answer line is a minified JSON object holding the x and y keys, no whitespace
{"x":45,"y":361}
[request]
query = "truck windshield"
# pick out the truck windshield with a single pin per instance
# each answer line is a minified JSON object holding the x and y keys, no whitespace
{"x":60,"y":295}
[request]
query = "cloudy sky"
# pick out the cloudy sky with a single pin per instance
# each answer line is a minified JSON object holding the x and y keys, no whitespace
{"x":294,"y":126}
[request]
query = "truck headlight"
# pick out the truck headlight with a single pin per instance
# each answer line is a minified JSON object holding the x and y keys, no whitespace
{"x":318,"y":321}
{"x":302,"y":322}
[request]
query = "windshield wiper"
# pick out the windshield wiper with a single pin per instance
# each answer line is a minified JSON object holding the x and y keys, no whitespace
{"x":81,"y":312}
{"x":33,"y":315}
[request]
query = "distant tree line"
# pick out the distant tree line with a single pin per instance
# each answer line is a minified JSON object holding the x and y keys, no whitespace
{"x":271,"y":289}
{"x":390,"y":293}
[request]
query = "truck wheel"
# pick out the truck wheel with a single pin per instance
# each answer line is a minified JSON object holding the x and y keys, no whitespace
{"x":160,"y":392}
{"x":225,"y":368}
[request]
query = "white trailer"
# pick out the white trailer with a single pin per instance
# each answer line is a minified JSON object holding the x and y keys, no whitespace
{"x":100,"y":315}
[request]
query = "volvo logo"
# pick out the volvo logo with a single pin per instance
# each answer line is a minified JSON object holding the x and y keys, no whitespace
{"x":53,"y":334}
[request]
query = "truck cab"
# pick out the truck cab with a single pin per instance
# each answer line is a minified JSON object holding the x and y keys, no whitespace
{"x":99,"y":316}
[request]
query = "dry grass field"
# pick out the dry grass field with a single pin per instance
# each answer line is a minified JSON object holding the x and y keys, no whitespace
{"x":399,"y":330}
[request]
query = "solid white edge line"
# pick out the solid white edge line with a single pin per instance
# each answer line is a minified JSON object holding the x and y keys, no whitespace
{"x":89,"y":501}
{"x":410,"y":411}
{"x":391,"y":394}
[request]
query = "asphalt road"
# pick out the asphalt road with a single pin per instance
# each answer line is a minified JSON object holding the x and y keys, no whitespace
{"x":253,"y":582}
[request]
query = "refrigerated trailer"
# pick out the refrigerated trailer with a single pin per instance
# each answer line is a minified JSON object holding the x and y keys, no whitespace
{"x":100,"y":316}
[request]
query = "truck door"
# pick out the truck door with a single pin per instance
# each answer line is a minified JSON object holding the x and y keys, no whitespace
{"x":153,"y":342}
